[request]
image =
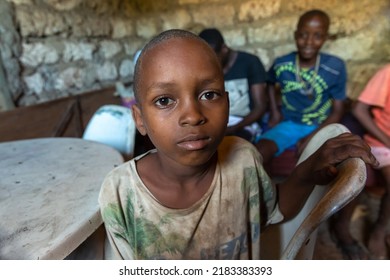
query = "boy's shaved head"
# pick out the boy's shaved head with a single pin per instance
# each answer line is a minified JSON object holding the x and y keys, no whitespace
{"x":314,"y":13}
{"x":156,"y":41}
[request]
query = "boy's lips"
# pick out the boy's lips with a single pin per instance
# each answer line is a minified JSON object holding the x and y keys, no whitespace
{"x":193,"y":142}
{"x":308,"y":51}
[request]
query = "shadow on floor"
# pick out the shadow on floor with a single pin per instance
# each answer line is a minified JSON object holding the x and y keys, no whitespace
{"x":363,"y":217}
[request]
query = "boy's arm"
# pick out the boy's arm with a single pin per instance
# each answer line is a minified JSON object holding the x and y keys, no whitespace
{"x":336,"y":114}
{"x":320,"y":169}
{"x":275,"y":114}
{"x":362,"y":112}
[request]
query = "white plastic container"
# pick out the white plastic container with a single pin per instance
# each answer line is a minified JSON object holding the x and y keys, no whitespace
{"x":114,"y":126}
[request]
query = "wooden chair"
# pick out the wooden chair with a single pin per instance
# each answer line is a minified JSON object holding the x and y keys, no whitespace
{"x":295,"y":239}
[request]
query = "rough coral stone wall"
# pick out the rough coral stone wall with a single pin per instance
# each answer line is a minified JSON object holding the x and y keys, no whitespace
{"x":10,"y":51}
{"x":56,"y":48}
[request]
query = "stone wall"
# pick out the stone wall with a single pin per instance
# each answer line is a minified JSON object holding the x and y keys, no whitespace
{"x":56,"y":48}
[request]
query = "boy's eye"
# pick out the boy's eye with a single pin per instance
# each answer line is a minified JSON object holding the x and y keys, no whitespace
{"x":163,"y":101}
{"x":302,"y":36}
{"x":318,"y":36}
{"x":210,"y":95}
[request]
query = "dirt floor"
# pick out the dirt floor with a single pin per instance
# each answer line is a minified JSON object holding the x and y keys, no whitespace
{"x":364,"y":215}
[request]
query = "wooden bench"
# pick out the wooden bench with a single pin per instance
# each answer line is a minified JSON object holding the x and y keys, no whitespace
{"x":64,"y":117}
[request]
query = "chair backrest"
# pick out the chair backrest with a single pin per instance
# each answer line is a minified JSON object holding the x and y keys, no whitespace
{"x":114,"y":126}
{"x":296,"y":238}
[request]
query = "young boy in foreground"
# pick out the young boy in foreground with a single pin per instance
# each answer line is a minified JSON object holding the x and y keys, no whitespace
{"x":199,"y":194}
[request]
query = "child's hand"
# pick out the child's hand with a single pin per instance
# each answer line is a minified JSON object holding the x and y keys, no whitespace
{"x":320,"y":167}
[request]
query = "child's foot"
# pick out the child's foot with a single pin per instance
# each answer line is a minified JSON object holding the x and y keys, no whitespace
{"x":377,"y":245}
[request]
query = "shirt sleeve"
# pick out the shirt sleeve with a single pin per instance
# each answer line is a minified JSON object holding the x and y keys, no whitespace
{"x":339,"y":91}
{"x":113,"y":215}
{"x":269,"y":208}
{"x":258,"y":74}
{"x":271,"y":77}
{"x":376,"y":91}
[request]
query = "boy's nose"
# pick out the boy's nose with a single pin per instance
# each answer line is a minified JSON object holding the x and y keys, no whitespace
{"x":309,"y":40}
{"x":191,"y":113}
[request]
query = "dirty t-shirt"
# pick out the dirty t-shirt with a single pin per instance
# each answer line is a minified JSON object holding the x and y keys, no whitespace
{"x":223,"y":224}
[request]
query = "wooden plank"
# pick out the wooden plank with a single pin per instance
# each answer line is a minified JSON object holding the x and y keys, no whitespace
{"x":42,"y":120}
{"x":32,"y":121}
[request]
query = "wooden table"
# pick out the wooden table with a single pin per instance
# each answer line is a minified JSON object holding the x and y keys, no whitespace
{"x":49,"y":191}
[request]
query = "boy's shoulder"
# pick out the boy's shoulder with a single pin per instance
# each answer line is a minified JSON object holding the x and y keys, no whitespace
{"x":234,"y":142}
{"x":290,"y":57}
{"x":126,"y":169}
{"x":383,"y":70}
{"x":327,"y":58}
{"x":236,"y":147}
{"x":243,"y":56}
{"x":284,"y":60}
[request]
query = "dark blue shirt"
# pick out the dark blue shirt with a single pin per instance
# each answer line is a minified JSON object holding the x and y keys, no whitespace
{"x":246,"y":71}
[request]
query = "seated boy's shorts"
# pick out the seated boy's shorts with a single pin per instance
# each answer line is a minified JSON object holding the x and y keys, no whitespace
{"x":286,"y":134}
{"x":382,"y":154}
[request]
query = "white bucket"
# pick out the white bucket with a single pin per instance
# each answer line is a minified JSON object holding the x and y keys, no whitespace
{"x":114,"y":126}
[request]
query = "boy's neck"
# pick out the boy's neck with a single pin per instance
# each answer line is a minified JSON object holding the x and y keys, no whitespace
{"x":307,"y":63}
{"x":172,"y":187}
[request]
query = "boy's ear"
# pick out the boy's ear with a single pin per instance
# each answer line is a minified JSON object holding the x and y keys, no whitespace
{"x":137,"y":116}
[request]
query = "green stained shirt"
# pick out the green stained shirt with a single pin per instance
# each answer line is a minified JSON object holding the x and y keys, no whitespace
{"x":224,"y":224}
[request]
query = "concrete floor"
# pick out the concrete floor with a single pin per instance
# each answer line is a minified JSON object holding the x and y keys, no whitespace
{"x":364,"y":215}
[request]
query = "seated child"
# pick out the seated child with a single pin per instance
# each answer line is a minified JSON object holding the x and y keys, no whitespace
{"x":245,"y":80}
{"x":199,"y":194}
{"x":372,"y":110}
{"x":312,"y":86}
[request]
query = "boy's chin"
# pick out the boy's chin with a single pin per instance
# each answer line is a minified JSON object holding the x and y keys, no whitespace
{"x":308,"y":56}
